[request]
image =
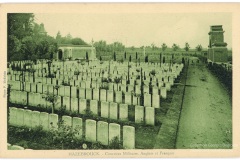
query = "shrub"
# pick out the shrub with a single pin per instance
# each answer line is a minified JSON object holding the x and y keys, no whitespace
{"x":115,"y":143}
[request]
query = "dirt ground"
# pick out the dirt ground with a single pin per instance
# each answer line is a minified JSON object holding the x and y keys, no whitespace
{"x":206,"y":118}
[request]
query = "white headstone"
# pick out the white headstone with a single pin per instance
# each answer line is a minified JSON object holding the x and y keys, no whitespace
{"x":67,"y":120}
{"x":155,"y":101}
{"x":113,"y":110}
{"x":150,"y":115}
{"x":77,"y":126}
{"x":53,"y":121}
{"x":163,"y":92}
{"x":74,"y":92}
{"x":44,"y":120}
{"x":123,"y":111}
{"x":35,"y":119}
{"x":104,"y":109}
{"x":91,"y":130}
{"x":94,"y":106}
{"x":114,"y":131}
{"x":66,"y":102}
{"x":88,"y":93}
{"x":96,"y":94}
{"x":118,"y":96}
{"x":109,"y":95}
{"x":139,"y":114}
{"x":82,"y":106}
{"x":128,"y":98}
{"x":103,"y":96}
{"x":128,"y":137}
{"x":20,"y":117}
{"x":74,"y":104}
{"x":147,"y":100}
{"x":82,"y":93}
{"x":102,"y":132}
{"x":28,"y":118}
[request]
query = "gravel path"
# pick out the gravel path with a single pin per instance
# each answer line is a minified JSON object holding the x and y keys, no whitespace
{"x":206,"y":118}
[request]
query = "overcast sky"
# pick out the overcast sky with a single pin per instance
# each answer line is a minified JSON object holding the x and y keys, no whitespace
{"x":139,"y":29}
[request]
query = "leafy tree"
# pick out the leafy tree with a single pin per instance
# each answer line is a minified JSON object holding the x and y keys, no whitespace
{"x":199,"y":48}
{"x":125,"y":55}
{"x":153,"y":46}
{"x":164,"y":47}
{"x":175,"y":47}
{"x":52,"y":99}
{"x":19,"y":25}
{"x":58,"y":37}
{"x":78,"y":41}
{"x":132,"y":48}
{"x":28,"y":40}
{"x":186,"y":47}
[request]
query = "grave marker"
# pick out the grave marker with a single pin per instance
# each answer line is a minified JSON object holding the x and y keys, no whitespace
{"x":91,"y":131}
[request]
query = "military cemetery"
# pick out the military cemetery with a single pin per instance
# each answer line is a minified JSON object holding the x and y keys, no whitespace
{"x":79,"y":97}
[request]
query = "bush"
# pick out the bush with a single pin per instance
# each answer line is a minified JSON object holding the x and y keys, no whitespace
{"x":115,"y":143}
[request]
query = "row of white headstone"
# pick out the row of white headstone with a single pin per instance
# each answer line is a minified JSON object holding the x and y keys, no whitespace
{"x":94,"y":131}
{"x":110,"y":110}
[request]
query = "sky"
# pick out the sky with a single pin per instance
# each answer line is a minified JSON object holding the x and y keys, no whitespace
{"x":139,"y":29}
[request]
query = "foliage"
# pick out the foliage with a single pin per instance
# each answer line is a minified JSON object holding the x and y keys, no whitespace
{"x":199,"y":48}
{"x":102,"y":46}
{"x":51,"y":98}
{"x":76,"y":72}
{"x":164,"y":47}
{"x":186,"y":47}
{"x":65,"y":83}
{"x":64,"y":134}
{"x":175,"y":47}
{"x":104,"y":87}
{"x":78,"y":41}
{"x":153,"y":72}
{"x":115,"y":143}
{"x":223,"y":74}
{"x":153,"y":46}
{"x":117,"y":79}
{"x":28,"y":40}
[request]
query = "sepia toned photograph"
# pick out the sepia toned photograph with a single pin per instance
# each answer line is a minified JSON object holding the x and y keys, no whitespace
{"x":132,"y":84}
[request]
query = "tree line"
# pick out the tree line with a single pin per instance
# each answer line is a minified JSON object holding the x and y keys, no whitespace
{"x":28,"y":40}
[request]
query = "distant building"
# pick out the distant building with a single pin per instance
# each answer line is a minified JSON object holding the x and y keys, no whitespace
{"x":73,"y":52}
{"x":217,"y":50}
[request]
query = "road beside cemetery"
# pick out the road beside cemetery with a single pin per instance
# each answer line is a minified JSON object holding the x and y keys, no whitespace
{"x":206,"y":118}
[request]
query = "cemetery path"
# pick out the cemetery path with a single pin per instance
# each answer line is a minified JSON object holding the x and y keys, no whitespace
{"x":206,"y":118}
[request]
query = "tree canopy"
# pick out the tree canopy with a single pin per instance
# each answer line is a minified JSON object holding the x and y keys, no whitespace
{"x":104,"y":47}
{"x":28,"y":40}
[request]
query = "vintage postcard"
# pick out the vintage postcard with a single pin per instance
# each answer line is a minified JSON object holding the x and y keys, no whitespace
{"x":120,"y":80}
